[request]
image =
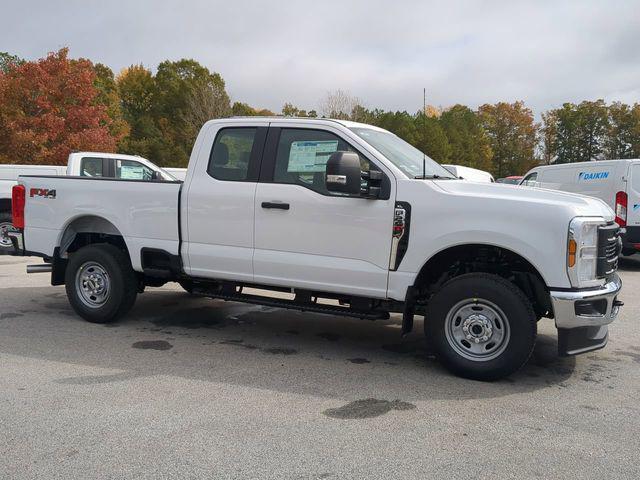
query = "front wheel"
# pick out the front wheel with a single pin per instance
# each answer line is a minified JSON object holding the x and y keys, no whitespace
{"x":481,"y":326}
{"x":100,"y":283}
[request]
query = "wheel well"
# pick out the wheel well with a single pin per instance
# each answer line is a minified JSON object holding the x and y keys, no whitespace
{"x":87,"y":230}
{"x":462,"y":259}
{"x":81,"y":232}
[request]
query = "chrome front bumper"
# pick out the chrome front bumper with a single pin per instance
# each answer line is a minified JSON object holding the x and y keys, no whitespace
{"x":571,"y":308}
{"x":582,"y":316}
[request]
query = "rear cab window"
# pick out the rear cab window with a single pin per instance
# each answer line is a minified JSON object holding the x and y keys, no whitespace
{"x":92,"y":167}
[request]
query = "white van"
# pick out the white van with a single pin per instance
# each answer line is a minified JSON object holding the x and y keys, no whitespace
{"x":471,"y":174}
{"x":616,"y":182}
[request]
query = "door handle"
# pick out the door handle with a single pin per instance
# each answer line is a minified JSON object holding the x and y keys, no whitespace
{"x":278,"y":205}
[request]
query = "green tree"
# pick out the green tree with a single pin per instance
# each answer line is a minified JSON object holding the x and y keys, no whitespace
{"x":431,"y":138}
{"x":400,"y":123}
{"x":7,"y":61}
{"x":109,"y":96}
{"x":137,"y":90}
{"x":623,"y":136}
{"x":176,"y":85}
{"x":593,"y":124}
{"x":548,"y":137}
{"x":512,"y":135}
{"x":240,"y":109}
{"x":290,"y":110}
{"x":581,"y":131}
{"x":468,"y":140}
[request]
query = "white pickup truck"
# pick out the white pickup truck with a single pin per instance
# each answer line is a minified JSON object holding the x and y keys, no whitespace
{"x":93,"y":164}
{"x":339,"y":218}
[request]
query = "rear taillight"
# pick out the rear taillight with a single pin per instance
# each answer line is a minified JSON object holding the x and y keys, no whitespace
{"x":621,"y":208}
{"x":17,"y":206}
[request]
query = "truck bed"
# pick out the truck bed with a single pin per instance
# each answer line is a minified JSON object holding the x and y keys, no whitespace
{"x":144,"y":213}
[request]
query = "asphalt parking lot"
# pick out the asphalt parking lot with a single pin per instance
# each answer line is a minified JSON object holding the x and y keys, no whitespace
{"x":197,"y":388}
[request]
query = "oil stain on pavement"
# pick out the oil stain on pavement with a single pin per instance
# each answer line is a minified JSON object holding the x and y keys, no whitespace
{"x":153,"y":345}
{"x":367,"y":408}
{"x":359,"y":361}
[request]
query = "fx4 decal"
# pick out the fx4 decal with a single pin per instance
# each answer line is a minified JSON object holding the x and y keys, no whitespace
{"x":42,"y":192}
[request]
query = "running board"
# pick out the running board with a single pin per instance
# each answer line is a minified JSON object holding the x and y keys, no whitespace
{"x":293,"y":305}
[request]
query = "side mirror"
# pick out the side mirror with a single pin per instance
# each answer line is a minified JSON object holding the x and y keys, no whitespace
{"x":155,"y":176}
{"x":343,"y":173}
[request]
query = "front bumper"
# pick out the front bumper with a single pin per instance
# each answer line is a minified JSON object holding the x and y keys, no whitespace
{"x":582,"y":316}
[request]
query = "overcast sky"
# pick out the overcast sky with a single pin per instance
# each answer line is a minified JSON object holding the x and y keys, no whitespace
{"x":384,"y":52}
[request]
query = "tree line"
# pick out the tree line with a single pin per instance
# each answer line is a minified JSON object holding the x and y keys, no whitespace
{"x":55,"y":105}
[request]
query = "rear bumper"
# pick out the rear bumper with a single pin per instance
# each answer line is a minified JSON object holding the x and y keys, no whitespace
{"x":582,"y":316}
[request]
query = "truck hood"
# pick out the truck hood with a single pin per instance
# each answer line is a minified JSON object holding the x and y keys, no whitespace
{"x":581,"y":205}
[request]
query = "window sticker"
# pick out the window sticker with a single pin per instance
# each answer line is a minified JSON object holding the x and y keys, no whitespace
{"x":310,"y":156}
{"x":130,"y":172}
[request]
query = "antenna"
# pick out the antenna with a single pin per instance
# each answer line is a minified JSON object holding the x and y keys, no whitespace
{"x":424,"y":131}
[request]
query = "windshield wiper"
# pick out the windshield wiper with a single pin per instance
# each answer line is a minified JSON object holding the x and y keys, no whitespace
{"x":432,"y":177}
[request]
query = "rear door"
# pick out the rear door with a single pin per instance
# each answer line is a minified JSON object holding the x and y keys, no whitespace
{"x":305,"y":236}
{"x":219,"y":202}
{"x":633,"y":195}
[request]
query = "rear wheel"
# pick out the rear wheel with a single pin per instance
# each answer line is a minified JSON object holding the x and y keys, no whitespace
{"x":100,"y":283}
{"x":5,"y":226}
{"x":481,"y":326}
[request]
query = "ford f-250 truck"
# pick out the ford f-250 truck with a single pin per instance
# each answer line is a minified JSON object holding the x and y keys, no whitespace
{"x":93,"y":164}
{"x":332,"y":210}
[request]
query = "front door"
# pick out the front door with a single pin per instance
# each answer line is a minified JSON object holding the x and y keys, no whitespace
{"x":309,"y":238}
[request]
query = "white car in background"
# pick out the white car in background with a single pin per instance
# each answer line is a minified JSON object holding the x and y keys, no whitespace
{"x":615,"y":182}
{"x":471,"y":174}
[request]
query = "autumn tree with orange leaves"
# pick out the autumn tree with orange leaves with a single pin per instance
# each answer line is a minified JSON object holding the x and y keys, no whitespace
{"x":51,"y":107}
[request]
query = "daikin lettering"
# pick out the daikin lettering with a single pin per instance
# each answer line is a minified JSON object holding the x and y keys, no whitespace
{"x":592,"y":176}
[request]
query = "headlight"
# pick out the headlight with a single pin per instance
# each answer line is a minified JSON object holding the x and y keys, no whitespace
{"x":582,"y":251}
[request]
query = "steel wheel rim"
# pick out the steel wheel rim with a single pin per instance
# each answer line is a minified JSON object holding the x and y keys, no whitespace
{"x":5,"y":227}
{"x":93,"y":284}
{"x":477,"y":329}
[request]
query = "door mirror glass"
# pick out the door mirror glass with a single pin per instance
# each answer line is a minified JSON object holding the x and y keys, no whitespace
{"x":343,"y":173}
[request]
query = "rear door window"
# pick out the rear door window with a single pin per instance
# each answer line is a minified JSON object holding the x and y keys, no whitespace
{"x":92,"y":167}
{"x":231,"y":154}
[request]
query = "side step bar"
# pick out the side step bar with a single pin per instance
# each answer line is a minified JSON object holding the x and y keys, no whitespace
{"x":292,"y":304}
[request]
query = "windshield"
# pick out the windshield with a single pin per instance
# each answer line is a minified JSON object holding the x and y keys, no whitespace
{"x":402,"y":154}
{"x":166,"y":175}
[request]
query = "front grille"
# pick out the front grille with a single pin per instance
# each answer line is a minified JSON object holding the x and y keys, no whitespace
{"x":609,"y":247}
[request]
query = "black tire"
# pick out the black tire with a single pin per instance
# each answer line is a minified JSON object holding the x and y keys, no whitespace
{"x":5,"y":223}
{"x":122,"y":281}
{"x":187,"y":286}
{"x":486,"y":295}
